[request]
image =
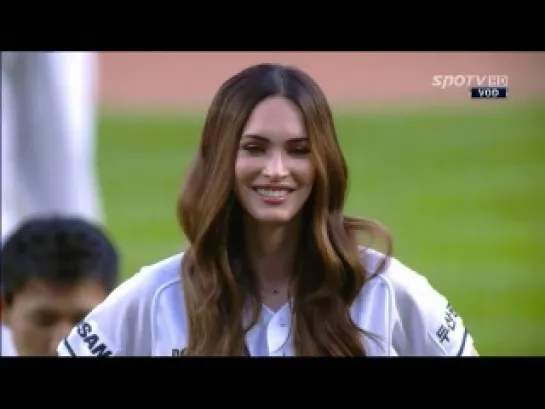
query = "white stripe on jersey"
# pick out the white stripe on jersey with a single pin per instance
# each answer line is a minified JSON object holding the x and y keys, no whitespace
{"x":8,"y":349}
{"x":145,"y":316}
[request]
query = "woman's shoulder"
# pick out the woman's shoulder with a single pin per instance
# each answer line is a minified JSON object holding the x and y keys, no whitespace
{"x":143,"y":286}
{"x":390,"y":269}
{"x":153,"y":277}
{"x":123,"y":323}
{"x":423,"y":321}
{"x":402,"y":281}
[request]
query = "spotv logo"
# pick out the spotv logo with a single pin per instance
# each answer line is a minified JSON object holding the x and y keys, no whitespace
{"x":444,"y":81}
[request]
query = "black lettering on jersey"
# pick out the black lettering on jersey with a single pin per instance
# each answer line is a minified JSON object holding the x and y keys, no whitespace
{"x":443,"y":334}
{"x":449,"y":325}
{"x":450,"y":310}
{"x":450,"y":317}
{"x":95,"y":345}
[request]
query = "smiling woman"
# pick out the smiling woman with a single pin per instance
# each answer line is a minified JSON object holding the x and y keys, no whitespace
{"x":273,"y":267}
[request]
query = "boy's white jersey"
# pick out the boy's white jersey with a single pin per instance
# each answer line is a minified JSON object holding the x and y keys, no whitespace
{"x":145,"y":316}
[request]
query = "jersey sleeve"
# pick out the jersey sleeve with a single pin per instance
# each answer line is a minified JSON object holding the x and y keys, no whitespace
{"x":119,"y":326}
{"x":427,"y":324}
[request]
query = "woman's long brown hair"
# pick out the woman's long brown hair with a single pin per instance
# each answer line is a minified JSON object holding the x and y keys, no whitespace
{"x":330,"y":271}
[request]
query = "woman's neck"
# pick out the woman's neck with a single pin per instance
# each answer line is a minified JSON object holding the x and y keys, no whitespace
{"x":271,"y":250}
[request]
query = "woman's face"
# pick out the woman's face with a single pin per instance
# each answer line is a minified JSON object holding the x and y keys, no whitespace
{"x":273,"y":171}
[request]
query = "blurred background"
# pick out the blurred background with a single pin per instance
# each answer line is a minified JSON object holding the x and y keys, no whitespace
{"x":459,"y":182}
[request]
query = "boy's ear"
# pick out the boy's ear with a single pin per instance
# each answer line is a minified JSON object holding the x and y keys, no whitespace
{"x":4,"y":316}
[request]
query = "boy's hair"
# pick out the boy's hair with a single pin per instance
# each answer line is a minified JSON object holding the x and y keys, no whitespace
{"x":63,"y":250}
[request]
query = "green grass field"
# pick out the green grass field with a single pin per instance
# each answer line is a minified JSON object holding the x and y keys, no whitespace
{"x":462,"y":192}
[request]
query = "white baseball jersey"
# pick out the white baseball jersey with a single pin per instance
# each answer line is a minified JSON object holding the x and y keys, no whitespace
{"x":145,"y":316}
{"x":8,"y":349}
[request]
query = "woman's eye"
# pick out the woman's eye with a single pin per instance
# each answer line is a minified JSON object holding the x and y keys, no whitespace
{"x":301,"y":150}
{"x":253,"y":149}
